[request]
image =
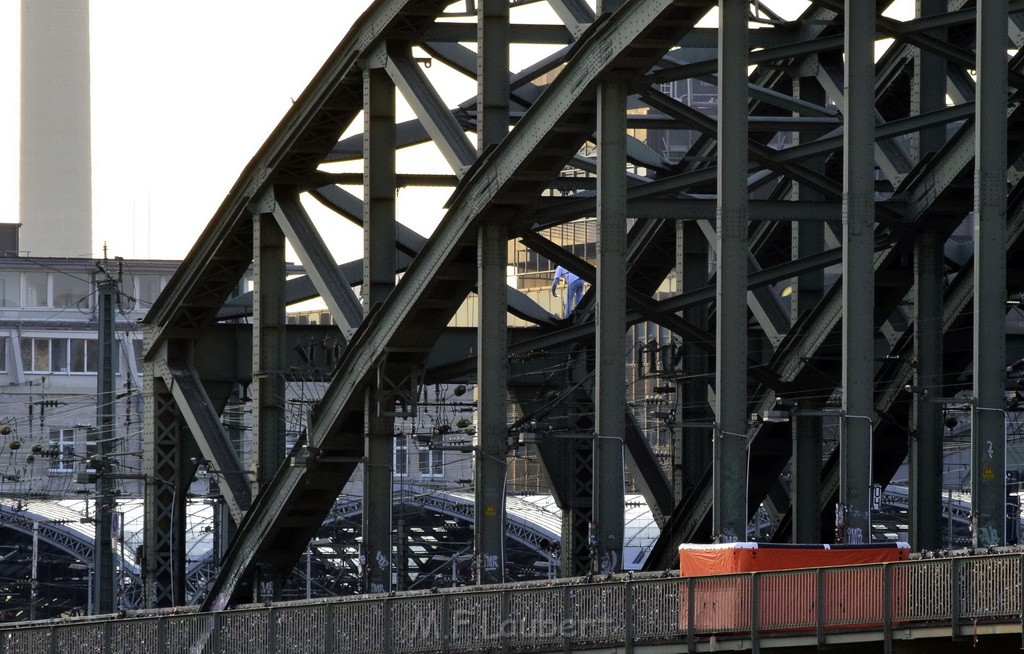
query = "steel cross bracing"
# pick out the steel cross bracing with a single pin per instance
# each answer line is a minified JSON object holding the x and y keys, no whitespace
{"x":937,"y":195}
{"x":798,"y":356}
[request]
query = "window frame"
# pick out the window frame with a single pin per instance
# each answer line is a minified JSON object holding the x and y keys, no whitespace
{"x":63,"y":438}
{"x":28,"y":347}
{"x":90,"y":355}
{"x":430,"y":462}
{"x":48,"y":293}
{"x":89,"y":289}
{"x":400,"y":465}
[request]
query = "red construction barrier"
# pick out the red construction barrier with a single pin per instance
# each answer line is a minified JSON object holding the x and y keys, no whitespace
{"x":852,"y":597}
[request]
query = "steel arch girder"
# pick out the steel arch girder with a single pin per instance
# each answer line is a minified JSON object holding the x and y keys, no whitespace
{"x":290,"y":155}
{"x":431,"y":290}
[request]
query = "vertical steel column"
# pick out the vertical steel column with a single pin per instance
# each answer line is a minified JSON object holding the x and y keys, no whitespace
{"x":808,"y":288}
{"x":988,"y":429}
{"x":492,"y":331}
{"x":858,"y":273}
{"x":928,"y":93}
{"x":163,"y":561}
{"x":492,"y":377}
{"x":268,"y":347}
{"x":104,"y":574}
{"x":729,"y":513}
{"x":378,"y":280}
{"x":928,"y":88}
{"x":268,"y":344}
{"x":692,"y":441}
{"x":926,"y":428}
{"x":492,"y":113}
{"x":806,"y":475}
{"x":610,"y":380}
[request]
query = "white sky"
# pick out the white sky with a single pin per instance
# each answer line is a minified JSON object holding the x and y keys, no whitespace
{"x":183,"y":95}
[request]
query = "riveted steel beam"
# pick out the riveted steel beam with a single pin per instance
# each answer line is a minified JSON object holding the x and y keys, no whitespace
{"x":164,"y":547}
{"x":854,"y":523}
{"x":635,"y":36}
{"x":444,"y":130}
{"x":320,"y":266}
{"x":490,"y":471}
{"x":268,"y":351}
{"x":610,"y":325}
{"x":302,"y":140}
{"x":198,"y":413}
{"x":729,"y":465}
{"x":926,"y":421}
{"x":576,"y":15}
{"x":988,"y":419}
{"x":379,"y":262}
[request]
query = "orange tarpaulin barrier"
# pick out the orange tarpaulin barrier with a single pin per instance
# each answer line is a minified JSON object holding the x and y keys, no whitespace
{"x":723,"y":604}
{"x":730,"y":558}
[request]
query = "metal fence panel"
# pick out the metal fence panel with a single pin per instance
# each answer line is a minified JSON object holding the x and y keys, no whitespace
{"x":80,"y":638}
{"x":853,"y":596}
{"x":721,"y":604}
{"x":476,"y":621}
{"x":131,"y":636}
{"x":301,"y":629}
{"x":569,"y":615}
{"x":788,"y":600}
{"x":536,"y":616}
{"x":245,"y":632}
{"x":990,"y":587}
{"x":27,"y":641}
{"x":921,"y":591}
{"x":360,"y":627}
{"x":420,"y":623}
{"x":189,"y":633}
{"x":656,"y":609}
{"x":598,"y":614}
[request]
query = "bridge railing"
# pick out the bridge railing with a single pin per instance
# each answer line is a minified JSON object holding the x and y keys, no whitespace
{"x":570,"y":614}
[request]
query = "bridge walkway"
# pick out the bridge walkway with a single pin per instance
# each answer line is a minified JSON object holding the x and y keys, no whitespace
{"x":951,"y":603}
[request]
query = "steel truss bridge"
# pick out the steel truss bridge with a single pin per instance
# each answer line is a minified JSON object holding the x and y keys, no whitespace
{"x":882,"y":192}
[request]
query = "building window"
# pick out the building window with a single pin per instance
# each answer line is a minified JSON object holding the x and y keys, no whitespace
{"x":84,"y":355}
{"x":71,"y":291}
{"x":91,"y":446}
{"x":3,"y":354}
{"x":37,"y":289}
{"x":59,"y":355}
{"x":35,"y":354}
{"x":431,"y":462}
{"x":63,"y":440}
{"x":10,"y":289}
{"x":147,"y":289}
{"x":401,"y":456}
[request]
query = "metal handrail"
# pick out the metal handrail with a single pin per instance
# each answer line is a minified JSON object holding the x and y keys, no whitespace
{"x":620,"y":610}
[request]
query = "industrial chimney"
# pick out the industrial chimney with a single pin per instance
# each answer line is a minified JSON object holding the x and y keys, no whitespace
{"x":56,"y":153}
